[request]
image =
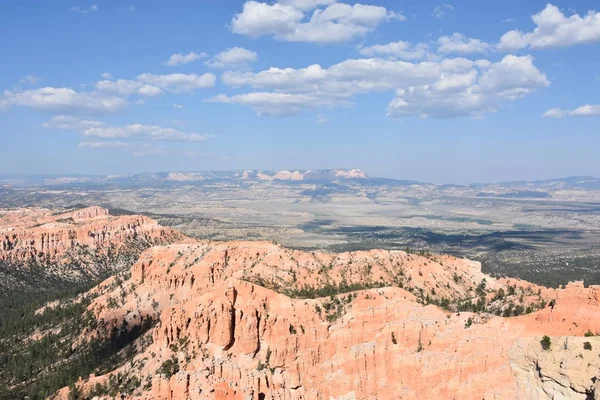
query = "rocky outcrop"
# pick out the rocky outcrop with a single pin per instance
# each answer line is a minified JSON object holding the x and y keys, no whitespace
{"x":88,"y":239}
{"x":251,"y":320}
{"x":45,"y":234}
{"x":569,"y":369}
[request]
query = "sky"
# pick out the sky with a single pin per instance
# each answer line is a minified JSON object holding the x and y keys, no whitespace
{"x":458,"y":92}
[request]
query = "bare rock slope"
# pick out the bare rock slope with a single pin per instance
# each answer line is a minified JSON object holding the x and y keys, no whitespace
{"x":40,"y":245}
{"x":254,"y":320}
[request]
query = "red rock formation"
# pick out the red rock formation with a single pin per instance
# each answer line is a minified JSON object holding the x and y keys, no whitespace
{"x":46,"y":234}
{"x":78,"y":244}
{"x":235,"y":339}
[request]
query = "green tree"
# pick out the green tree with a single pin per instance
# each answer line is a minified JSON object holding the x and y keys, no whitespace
{"x":546,"y":342}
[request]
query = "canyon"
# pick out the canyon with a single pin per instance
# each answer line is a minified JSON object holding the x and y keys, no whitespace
{"x":220,"y":334}
{"x":199,"y":319}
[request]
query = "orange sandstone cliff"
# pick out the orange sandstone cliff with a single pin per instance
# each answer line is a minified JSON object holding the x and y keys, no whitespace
{"x":72,"y":246}
{"x":253,"y":320}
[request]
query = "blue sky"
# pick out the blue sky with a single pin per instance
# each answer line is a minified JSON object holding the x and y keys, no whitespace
{"x":464,"y":91}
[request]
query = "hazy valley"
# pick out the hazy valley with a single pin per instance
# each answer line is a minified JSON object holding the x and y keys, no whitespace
{"x":240,"y":320}
{"x":545,"y":231}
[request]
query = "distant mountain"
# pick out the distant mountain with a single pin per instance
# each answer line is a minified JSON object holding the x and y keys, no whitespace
{"x":573,"y":182}
{"x":515,"y":189}
{"x":329,"y":175}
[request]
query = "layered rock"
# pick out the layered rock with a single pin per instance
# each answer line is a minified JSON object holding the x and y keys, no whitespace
{"x":231,"y":318}
{"x":89,"y":238}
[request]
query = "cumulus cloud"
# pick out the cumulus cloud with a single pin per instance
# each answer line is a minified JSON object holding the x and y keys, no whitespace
{"x":587,"y":110}
{"x":348,"y":77}
{"x":153,"y":132}
{"x":233,"y":57}
{"x":178,"y":82}
{"x":106,"y":76}
{"x":450,"y":87}
{"x":152,"y":85}
{"x":291,"y":20}
{"x":442,"y":10}
{"x":307,"y":5}
{"x":455,"y":95}
{"x":66,"y":101}
{"x":103,"y":145}
{"x":124,"y":87}
{"x":180,"y":58}
{"x":178,"y":106}
{"x":272,"y":103}
{"x":459,"y":43}
{"x":554,"y":29}
{"x":92,"y":128}
{"x":397,"y":50}
{"x":71,"y":123}
{"x":3,"y":105}
{"x":79,"y":10}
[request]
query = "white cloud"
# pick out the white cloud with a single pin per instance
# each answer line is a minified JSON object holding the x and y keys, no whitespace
{"x":349,"y":77}
{"x":397,"y":50}
{"x":153,"y":85}
{"x":3,"y":105}
{"x":442,"y":10}
{"x":307,"y":5}
{"x":287,"y":21}
{"x":321,"y":119}
{"x":71,"y":123}
{"x":66,"y":101}
{"x":30,"y":79}
{"x":92,"y":128}
{"x":554,"y":29}
{"x":153,"y":132}
{"x":273,"y":104}
{"x":459,"y":43}
{"x":587,"y":110}
{"x":103,"y":145}
{"x":124,"y":87}
{"x":178,"y":106}
{"x":233,"y":57}
{"x":180,"y":58}
{"x":106,"y":76}
{"x":507,"y":20}
{"x":456,"y":95}
{"x":92,"y":8}
{"x":450,"y":87}
{"x":179,"y":82}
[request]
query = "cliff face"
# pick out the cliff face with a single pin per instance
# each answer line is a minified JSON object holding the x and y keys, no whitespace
{"x":231,"y":318}
{"x":570,"y":369}
{"x":73,"y":245}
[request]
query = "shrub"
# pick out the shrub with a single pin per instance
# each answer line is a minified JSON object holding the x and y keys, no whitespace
{"x":481,"y":288}
{"x":546,"y":343}
{"x":169,"y":367}
{"x":587,"y":346}
{"x":469,"y":322}
{"x":500,"y":294}
{"x":589,"y":334}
